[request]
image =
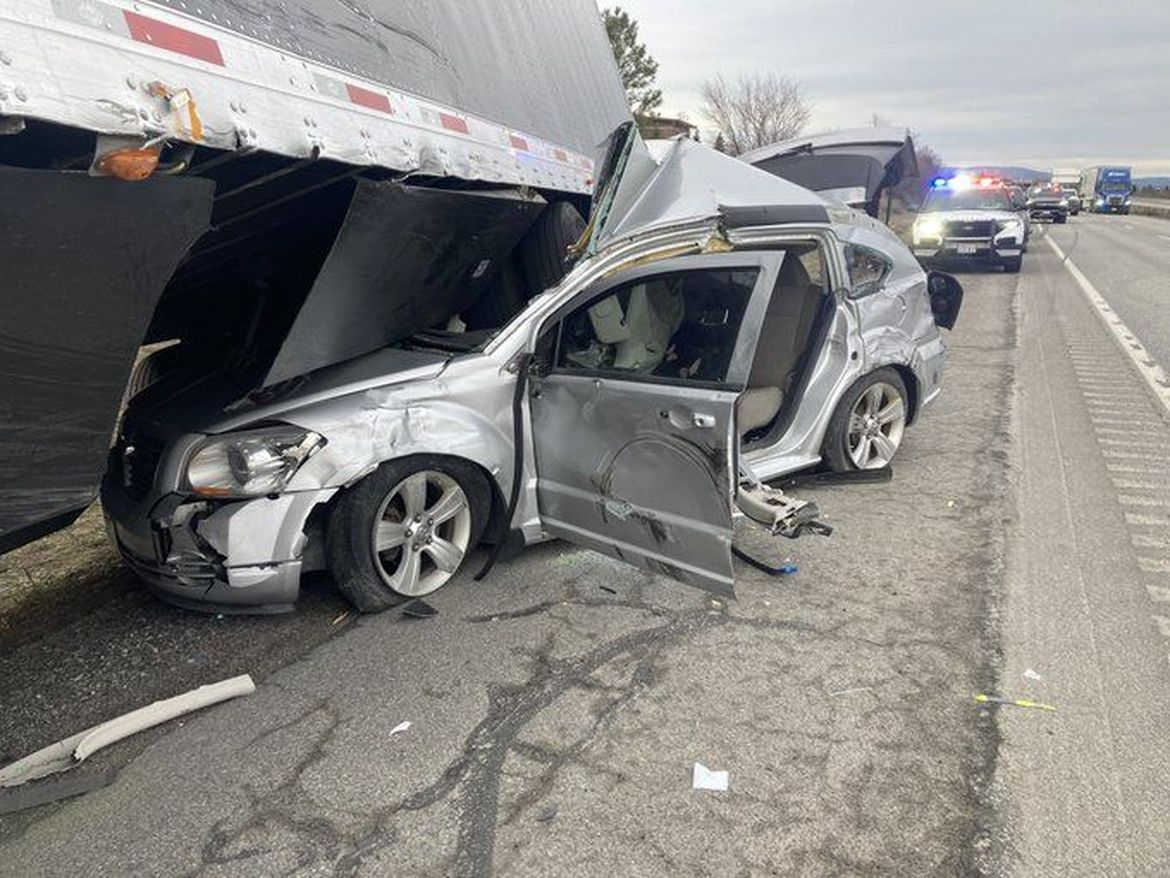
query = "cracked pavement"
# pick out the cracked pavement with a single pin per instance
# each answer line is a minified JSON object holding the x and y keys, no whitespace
{"x":558,"y":706}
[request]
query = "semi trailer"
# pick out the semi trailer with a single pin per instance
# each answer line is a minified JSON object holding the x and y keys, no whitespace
{"x":1107,"y":189}
{"x":227,"y":190}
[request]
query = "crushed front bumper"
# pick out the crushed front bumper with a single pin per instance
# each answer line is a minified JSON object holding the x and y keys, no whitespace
{"x":238,"y":556}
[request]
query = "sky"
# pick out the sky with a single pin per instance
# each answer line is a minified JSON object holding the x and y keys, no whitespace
{"x":1038,"y":83}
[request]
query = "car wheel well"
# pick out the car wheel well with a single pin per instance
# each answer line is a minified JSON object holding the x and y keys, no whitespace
{"x":911,"y":381}
{"x":499,"y":503}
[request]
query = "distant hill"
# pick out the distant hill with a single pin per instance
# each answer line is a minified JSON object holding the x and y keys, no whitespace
{"x":1153,"y":182}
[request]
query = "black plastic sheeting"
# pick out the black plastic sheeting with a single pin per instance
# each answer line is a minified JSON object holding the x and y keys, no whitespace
{"x":541,"y":66}
{"x":82,"y":264}
{"x":405,"y":260}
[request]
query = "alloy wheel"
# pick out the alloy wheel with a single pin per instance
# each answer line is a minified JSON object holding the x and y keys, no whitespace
{"x":876,"y":425}
{"x":421,"y":533}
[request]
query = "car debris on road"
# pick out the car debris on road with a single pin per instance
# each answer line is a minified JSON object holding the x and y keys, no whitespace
{"x":72,"y":751}
{"x":704,"y":778}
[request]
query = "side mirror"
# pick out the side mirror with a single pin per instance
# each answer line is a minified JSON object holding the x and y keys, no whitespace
{"x":946,"y":297}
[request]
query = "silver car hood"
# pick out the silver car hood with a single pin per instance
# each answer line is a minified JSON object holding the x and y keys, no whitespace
{"x":216,"y":403}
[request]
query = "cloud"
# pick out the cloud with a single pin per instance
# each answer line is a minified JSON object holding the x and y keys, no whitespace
{"x":1048,"y":82}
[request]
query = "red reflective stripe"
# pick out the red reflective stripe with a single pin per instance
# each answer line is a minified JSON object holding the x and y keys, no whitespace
{"x":173,"y":39}
{"x":518,"y":142}
{"x":363,"y":97}
{"x":453,"y":123}
{"x":560,"y":154}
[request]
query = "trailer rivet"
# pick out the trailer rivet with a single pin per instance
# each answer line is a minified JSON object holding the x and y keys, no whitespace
{"x":131,"y":83}
{"x":5,"y":59}
{"x":20,"y":93}
{"x":235,"y":107}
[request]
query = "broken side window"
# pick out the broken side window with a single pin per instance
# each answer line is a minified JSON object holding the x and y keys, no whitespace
{"x":681,"y":325}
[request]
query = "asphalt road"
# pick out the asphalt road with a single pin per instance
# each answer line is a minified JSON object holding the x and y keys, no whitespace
{"x":1128,"y":259}
{"x":557,"y":708}
{"x":1085,"y":619}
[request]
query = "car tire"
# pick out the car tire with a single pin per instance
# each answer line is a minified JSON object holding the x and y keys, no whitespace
{"x":840,"y":450}
{"x":1062,"y":219}
{"x":1012,"y":265}
{"x":380,"y":546}
{"x":544,"y":249}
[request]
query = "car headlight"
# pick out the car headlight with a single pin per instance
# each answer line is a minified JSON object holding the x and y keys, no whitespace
{"x":251,"y":463}
{"x":1064,"y":202}
{"x":928,"y":228}
{"x":1012,"y":225}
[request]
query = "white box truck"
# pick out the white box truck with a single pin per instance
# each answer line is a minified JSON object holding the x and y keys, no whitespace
{"x":249,"y":188}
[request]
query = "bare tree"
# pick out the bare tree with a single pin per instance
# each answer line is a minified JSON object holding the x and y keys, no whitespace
{"x":755,"y":110}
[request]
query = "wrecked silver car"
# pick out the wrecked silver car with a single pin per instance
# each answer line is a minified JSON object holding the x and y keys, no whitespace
{"x":720,"y":327}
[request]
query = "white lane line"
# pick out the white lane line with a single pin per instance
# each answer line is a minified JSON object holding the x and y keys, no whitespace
{"x":1129,"y":431}
{"x":1137,"y":470}
{"x":1132,"y":485}
{"x":1135,"y":518}
{"x":1154,"y":375}
{"x":1163,"y":237}
{"x":1145,"y":541}
{"x":1131,"y":455}
{"x":1134,"y":500}
{"x":1159,"y":593}
{"x":1128,"y":422}
{"x":1132,"y":443}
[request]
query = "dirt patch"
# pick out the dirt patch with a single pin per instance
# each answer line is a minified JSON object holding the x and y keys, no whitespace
{"x":55,"y":579}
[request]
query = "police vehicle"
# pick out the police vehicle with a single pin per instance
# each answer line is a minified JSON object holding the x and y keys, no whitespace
{"x":969,"y":219}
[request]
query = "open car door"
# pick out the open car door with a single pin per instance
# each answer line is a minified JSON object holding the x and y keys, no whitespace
{"x":633,"y":411}
{"x":850,"y":167}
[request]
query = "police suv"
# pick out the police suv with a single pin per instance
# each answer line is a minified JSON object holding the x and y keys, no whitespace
{"x":966,"y":219}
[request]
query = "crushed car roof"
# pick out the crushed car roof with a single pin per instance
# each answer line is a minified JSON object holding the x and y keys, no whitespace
{"x":693,"y":182}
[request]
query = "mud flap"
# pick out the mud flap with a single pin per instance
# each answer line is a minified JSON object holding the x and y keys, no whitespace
{"x":84,"y":262}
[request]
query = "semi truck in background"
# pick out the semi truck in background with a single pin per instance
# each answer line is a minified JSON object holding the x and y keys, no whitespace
{"x":250,"y":190}
{"x":1107,"y":189}
{"x":1069,"y":181}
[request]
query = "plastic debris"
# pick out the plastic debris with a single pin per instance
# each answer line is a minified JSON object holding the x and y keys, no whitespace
{"x":1031,"y":675}
{"x":850,"y":691}
{"x":400,"y":728}
{"x":704,"y":778}
{"x":607,"y":588}
{"x":546,"y":814}
{"x":341,"y":618}
{"x":1013,"y":702}
{"x":419,"y":609}
{"x":71,"y":751}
